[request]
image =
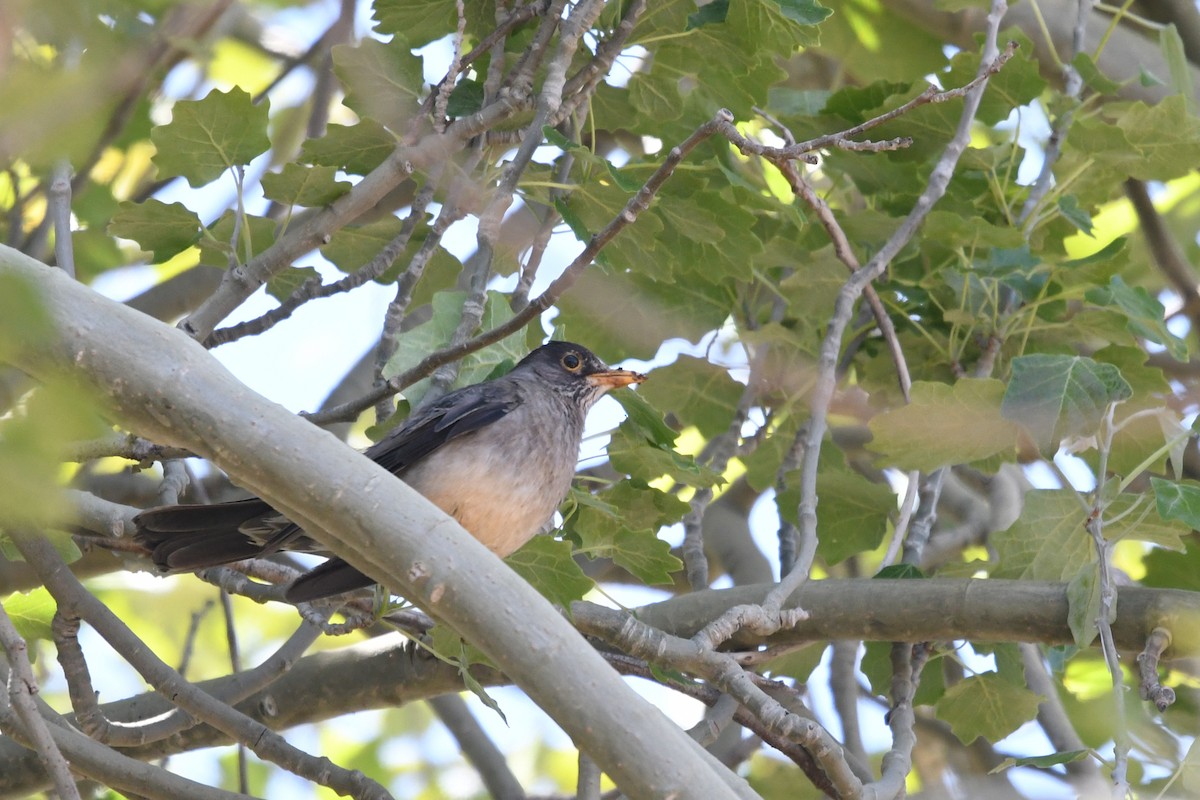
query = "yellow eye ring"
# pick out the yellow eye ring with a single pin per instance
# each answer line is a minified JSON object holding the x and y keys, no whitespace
{"x":572,"y":362}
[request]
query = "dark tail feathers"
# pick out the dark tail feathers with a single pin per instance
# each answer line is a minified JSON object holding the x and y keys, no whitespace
{"x":191,"y":537}
{"x":325,"y":580}
{"x":197,"y":536}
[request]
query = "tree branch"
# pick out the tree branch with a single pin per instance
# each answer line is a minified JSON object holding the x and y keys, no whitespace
{"x":173,"y":391}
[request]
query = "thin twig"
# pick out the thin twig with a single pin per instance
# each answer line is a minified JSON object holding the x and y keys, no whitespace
{"x":313,"y":288}
{"x":497,"y":35}
{"x":123,"y":445}
{"x":21,"y":688}
{"x":1058,"y":133}
{"x":626,"y":217}
{"x":717,"y":454}
{"x":478,"y":749}
{"x":91,"y":719}
{"x":1149,"y":687}
{"x":771,"y":616}
{"x":59,"y":209}
{"x":1106,"y":612}
{"x":929,"y":491}
{"x":637,"y":639}
{"x":73,"y":598}
{"x":313,"y":229}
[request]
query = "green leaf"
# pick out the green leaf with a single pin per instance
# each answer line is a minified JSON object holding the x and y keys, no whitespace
{"x":1057,"y":396}
{"x":304,"y":186}
{"x":644,"y":556}
{"x":1068,"y":206}
{"x":357,"y":149}
{"x":1168,"y":570}
{"x":466,"y":98}
{"x":595,"y":205}
{"x":1147,"y":318}
{"x":803,"y":12}
{"x":854,"y":103}
{"x":1149,"y":79}
{"x":35,"y":433}
{"x":814,"y":285}
{"x":1019,"y":83}
{"x":255,"y":235}
{"x":477,"y":689}
{"x":713,"y":13}
{"x":1083,"y":603}
{"x":631,"y":453}
{"x":1131,"y":516}
{"x":31,"y":441}
{"x":853,"y":512}
{"x":438,"y":332}
{"x":1047,"y":542}
{"x":1009,"y":664}
{"x":1189,"y":770}
{"x":797,"y":664}
{"x":986,"y":706}
{"x":1093,"y":78}
{"x":697,"y":392}
{"x":23,"y":316}
{"x":954,"y":230}
{"x":379,"y":430}
{"x":1104,"y":255}
{"x":547,"y":565}
{"x":447,"y":645}
{"x":31,"y":613}
{"x":689,"y":219}
{"x":1043,"y":762}
{"x":351,"y":248}
{"x":419,"y":22}
{"x":283,"y":284}
{"x":1165,"y":139}
{"x":1171,"y":44}
{"x":383,"y":80}
{"x":206,"y":137}
{"x":945,"y":425}
{"x":623,"y":528}
{"x":647,"y":419}
{"x":1179,"y":501}
{"x":581,"y":498}
{"x":158,"y":228}
{"x":554,"y":137}
{"x":905,"y":571}
{"x":876,"y":665}
{"x":762,"y":465}
{"x":1146,"y":315}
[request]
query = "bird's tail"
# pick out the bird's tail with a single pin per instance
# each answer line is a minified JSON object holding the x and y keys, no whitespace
{"x":325,"y":580}
{"x":192,"y":537}
{"x":197,"y":536}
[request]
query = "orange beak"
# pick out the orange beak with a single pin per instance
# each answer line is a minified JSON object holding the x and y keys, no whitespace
{"x":615,"y":378}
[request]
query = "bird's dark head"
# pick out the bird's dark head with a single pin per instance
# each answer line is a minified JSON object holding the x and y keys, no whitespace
{"x":576,"y":370}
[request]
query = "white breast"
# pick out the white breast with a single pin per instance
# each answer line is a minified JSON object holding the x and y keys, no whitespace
{"x":507,"y":483}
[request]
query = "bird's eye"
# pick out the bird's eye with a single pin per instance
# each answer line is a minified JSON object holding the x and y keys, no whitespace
{"x":572,"y":362}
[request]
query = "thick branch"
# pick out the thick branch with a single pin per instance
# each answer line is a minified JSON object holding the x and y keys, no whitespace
{"x":937,"y":610}
{"x":162,"y":383}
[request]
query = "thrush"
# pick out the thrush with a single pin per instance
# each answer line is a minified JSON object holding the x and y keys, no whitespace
{"x":497,"y":456}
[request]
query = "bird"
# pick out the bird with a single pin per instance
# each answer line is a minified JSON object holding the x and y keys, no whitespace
{"x":498,"y":456}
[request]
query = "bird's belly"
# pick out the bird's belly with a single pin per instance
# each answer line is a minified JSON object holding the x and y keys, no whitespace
{"x":500,"y":504}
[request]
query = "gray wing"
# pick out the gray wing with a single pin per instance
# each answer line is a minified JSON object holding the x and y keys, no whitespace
{"x":453,"y":415}
{"x":456,"y":414}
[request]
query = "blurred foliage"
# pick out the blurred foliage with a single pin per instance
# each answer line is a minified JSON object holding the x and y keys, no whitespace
{"x":1028,"y":327}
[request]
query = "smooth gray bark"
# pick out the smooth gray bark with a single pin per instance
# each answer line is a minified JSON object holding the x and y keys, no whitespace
{"x":167,"y":387}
